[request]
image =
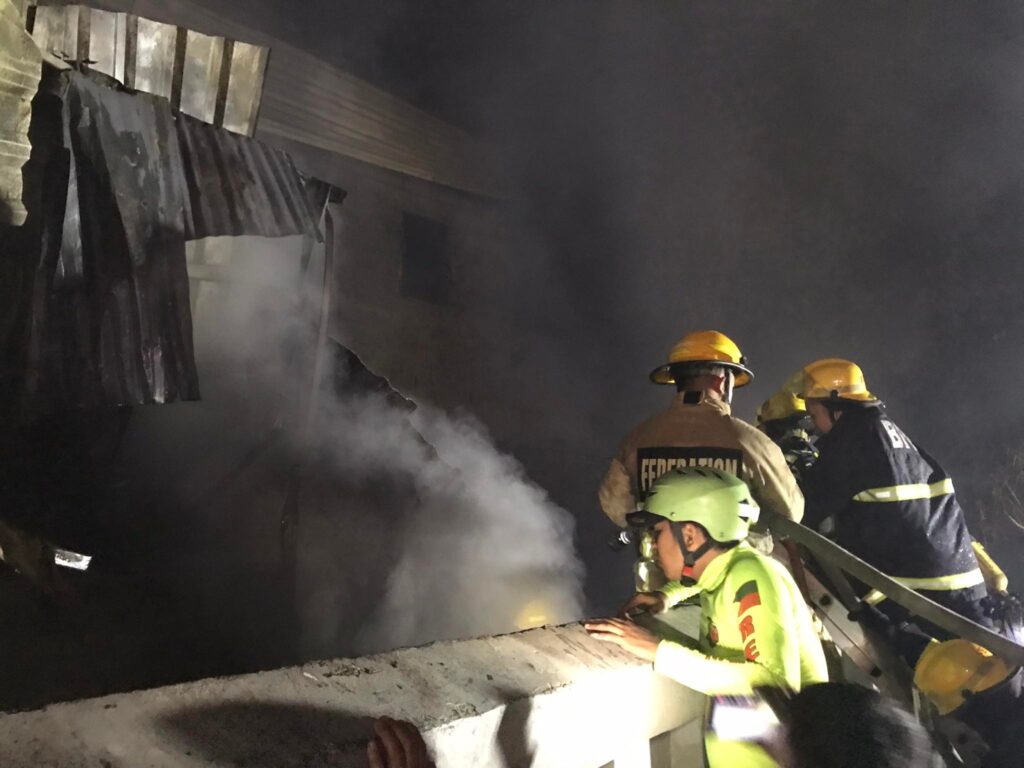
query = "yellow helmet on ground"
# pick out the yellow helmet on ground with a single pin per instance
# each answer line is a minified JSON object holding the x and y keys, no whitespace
{"x":831,"y":379}
{"x":947,"y":671}
{"x":781,"y":405}
{"x":705,"y":347}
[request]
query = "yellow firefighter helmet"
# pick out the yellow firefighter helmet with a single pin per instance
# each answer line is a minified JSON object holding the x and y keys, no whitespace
{"x":947,"y":671}
{"x":781,"y":405}
{"x":705,"y":347}
{"x":831,"y":379}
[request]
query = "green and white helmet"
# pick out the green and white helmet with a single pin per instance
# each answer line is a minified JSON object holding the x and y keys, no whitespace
{"x":718,"y":501}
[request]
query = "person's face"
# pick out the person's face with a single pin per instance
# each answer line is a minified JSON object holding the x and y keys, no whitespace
{"x":820,"y":416}
{"x":666,"y":547}
{"x":666,"y":550}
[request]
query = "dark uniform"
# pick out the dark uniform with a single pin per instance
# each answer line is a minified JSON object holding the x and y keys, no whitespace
{"x":795,"y":444}
{"x":893,"y":506}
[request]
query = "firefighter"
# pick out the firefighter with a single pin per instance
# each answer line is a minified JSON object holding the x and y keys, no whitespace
{"x":784,"y":418}
{"x":755,"y":629}
{"x":882,"y":498}
{"x":698,"y":430}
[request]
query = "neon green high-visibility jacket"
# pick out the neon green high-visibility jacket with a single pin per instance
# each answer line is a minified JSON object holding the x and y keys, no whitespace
{"x":755,"y":629}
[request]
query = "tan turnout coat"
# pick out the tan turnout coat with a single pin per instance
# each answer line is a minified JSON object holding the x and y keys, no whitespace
{"x":702,"y":433}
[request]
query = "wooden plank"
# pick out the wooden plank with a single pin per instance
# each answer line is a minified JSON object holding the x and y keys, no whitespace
{"x":131,"y":48}
{"x":224,"y":81}
{"x":84,"y":35}
{"x":178,"y":72}
{"x":257,"y":96}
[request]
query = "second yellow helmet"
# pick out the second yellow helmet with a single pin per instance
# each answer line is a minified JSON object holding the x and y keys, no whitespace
{"x":831,"y":379}
{"x":781,"y":405}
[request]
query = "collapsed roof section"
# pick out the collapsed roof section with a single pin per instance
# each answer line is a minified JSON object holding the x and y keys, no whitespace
{"x":98,"y":310}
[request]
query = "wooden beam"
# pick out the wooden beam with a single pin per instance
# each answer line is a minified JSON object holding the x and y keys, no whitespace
{"x":257,"y":96}
{"x":224,"y":82}
{"x":178,"y":73}
{"x":131,"y":48}
{"x":84,"y":35}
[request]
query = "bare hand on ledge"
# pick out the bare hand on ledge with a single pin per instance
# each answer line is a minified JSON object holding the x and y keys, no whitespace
{"x":397,"y":744}
{"x":625,"y":634}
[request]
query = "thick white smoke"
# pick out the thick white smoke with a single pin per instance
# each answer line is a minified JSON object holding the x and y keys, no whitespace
{"x":482,"y":549}
{"x":412,"y":526}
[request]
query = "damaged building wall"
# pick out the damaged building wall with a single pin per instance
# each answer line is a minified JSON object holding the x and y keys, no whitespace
{"x":210,"y":540}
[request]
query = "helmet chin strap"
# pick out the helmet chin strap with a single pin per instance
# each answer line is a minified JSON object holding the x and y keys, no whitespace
{"x":690,"y":557}
{"x":729,"y":385}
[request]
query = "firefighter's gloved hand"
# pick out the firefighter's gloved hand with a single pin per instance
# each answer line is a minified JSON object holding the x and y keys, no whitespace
{"x":397,"y":744}
{"x":906,"y":638}
{"x":644,"y":602}
{"x":872,"y":618}
{"x":1006,"y":613}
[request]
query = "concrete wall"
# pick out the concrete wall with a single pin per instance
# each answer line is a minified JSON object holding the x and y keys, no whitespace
{"x":548,"y":697}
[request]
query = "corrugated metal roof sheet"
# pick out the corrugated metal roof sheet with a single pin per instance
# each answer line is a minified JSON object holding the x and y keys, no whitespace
{"x":240,"y":186}
{"x":101,"y":311}
{"x":20,"y":71}
{"x":309,"y":101}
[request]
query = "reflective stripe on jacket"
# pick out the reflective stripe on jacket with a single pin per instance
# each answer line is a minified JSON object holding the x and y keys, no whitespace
{"x":701,"y":433}
{"x":892,"y":504}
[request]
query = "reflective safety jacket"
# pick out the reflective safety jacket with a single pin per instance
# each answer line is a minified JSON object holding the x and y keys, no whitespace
{"x":755,"y":629}
{"x":698,"y":431}
{"x":893,"y":506}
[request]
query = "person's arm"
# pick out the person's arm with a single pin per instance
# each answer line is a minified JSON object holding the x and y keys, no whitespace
{"x":616,"y":493}
{"x":770,"y":479}
{"x":826,"y":489}
{"x":711,"y":676}
{"x":675,"y":593}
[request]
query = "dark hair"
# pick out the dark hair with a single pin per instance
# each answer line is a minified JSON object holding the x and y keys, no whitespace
{"x":722,"y":545}
{"x":687,"y":375}
{"x":839,"y":725}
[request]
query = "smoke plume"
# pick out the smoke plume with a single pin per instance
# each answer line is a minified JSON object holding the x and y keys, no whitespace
{"x":411,"y":526}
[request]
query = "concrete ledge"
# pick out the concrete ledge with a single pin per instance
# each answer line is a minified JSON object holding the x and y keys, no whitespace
{"x":546,"y":697}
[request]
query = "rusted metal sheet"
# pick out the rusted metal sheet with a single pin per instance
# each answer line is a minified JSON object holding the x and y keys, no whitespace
{"x":112,"y":326}
{"x":240,"y":186}
{"x":101,"y":301}
{"x":20,"y":70}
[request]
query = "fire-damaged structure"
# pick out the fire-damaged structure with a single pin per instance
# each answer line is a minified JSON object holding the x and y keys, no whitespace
{"x":184,"y":394}
{"x":97,"y":318}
